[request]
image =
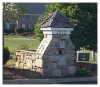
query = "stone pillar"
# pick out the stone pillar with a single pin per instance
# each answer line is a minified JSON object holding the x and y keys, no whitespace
{"x":55,"y":56}
{"x":51,"y":61}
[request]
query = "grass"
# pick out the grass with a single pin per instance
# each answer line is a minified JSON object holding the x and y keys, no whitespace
{"x":10,"y":62}
{"x":13,"y":43}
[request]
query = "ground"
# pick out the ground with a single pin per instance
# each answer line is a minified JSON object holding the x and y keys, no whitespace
{"x":10,"y":73}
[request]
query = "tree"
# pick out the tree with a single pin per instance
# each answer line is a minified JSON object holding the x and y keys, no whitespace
{"x":83,"y":16}
{"x":12,"y":12}
{"x":50,"y":9}
{"x":85,"y":33}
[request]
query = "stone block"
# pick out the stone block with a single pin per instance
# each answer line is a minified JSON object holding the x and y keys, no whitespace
{"x":22,"y":58}
{"x":71,"y":70}
{"x":18,"y":58}
{"x":26,"y":57}
{"x":25,"y":67}
{"x":61,"y":60}
{"x":21,"y":65}
{"x":30,"y":57}
{"x":39,"y":70}
{"x":40,"y":56}
{"x":53,"y":52}
{"x":17,"y":64}
{"x":29,"y":63}
{"x":70,"y":63}
{"x":52,"y":58}
{"x":57,"y":72}
{"x":33,"y":64}
{"x":38,"y":62}
{"x":25,"y":54}
{"x":37,"y":56}
{"x":42,"y":52}
{"x":32,"y":69}
{"x":70,"y":51}
{"x":24,"y":61}
{"x":33,"y":57}
{"x":64,"y":71}
{"x":47,"y":72}
{"x":18,"y":53}
{"x":52,"y":65}
{"x":45,"y":56}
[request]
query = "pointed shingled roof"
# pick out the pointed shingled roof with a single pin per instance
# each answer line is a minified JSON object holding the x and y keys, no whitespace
{"x":57,"y":20}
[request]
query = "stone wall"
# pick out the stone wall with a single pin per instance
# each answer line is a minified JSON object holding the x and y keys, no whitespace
{"x":46,"y":60}
{"x":28,"y":60}
{"x":24,"y":59}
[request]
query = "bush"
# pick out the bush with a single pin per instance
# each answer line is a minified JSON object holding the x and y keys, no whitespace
{"x":8,"y":31}
{"x":12,"y":33}
{"x":29,"y":30}
{"x":6,"y":55}
{"x":12,"y":55}
{"x":82,"y":72}
{"x":11,"y":62}
{"x":19,"y":30}
{"x":5,"y":33}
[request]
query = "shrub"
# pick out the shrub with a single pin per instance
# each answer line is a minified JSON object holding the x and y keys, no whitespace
{"x":8,"y":31}
{"x":6,"y":55}
{"x":11,"y":62}
{"x":5,"y":33}
{"x":12,"y":55}
{"x":19,"y":30}
{"x":82,"y":72}
{"x":12,"y":33}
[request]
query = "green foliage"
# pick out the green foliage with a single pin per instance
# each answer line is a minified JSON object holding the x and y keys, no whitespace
{"x":85,"y":32}
{"x":53,"y":7}
{"x":11,"y":62}
{"x":38,"y":32}
{"x":19,"y":30}
{"x":12,"y":12}
{"x":6,"y":55}
{"x":49,"y":10}
{"x":83,"y":16}
{"x":82,"y":72}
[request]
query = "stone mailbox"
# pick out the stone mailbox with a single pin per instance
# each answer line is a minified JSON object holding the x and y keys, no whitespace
{"x":55,"y":55}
